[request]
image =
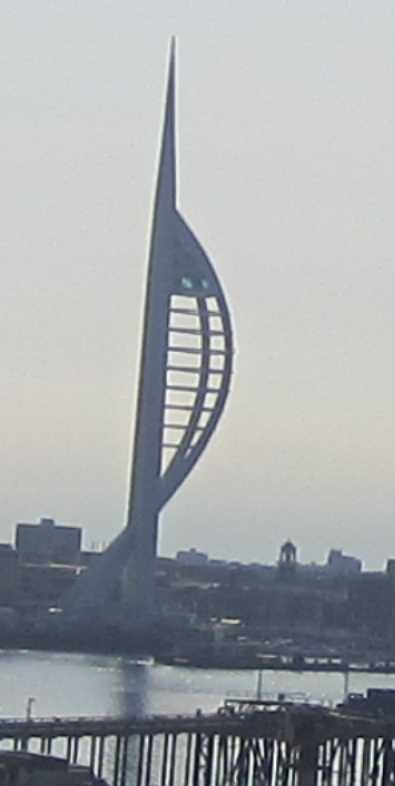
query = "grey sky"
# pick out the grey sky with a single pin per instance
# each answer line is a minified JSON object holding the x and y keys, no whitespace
{"x":287,"y":162}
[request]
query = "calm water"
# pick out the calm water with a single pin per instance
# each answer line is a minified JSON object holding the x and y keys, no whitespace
{"x":65,"y":684}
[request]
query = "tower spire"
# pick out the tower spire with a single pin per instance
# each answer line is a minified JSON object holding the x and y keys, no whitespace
{"x":166,"y":182}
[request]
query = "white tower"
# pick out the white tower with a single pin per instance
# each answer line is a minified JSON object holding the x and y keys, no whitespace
{"x":185,"y":371}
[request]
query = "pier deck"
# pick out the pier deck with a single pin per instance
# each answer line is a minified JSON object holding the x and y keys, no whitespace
{"x":276,"y":745}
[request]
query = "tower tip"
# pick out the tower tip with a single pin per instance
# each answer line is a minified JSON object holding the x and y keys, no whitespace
{"x":173,"y":44}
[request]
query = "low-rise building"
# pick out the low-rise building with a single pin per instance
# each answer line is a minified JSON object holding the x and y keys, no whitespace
{"x":192,"y":557}
{"x":340,"y":564}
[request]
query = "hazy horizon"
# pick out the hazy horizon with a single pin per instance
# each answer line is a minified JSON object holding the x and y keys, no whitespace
{"x":286,"y":167}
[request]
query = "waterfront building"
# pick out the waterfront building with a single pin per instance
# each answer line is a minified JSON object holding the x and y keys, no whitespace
{"x":184,"y":380}
{"x":48,"y":542}
{"x":41,"y":585}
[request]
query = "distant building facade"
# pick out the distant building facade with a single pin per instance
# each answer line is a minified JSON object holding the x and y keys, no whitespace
{"x":192,"y":557}
{"x":48,"y":542}
{"x":340,"y":564}
{"x":8,"y":573}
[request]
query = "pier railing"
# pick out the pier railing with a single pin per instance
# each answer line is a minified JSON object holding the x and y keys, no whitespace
{"x":276,"y":745}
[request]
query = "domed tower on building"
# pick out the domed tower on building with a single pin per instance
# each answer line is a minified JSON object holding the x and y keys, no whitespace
{"x":287,"y":560}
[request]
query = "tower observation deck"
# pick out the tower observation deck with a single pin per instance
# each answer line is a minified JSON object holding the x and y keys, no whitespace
{"x":184,"y":380}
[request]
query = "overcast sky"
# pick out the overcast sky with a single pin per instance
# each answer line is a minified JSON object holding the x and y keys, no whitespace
{"x":286,"y":117}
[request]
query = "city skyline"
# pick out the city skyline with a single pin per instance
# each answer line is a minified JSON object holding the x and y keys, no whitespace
{"x":294,"y":204}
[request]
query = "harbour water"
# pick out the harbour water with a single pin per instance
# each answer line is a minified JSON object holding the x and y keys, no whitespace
{"x":64,"y":684}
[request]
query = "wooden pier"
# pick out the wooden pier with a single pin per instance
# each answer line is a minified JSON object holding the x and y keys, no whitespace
{"x":279,"y":745}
